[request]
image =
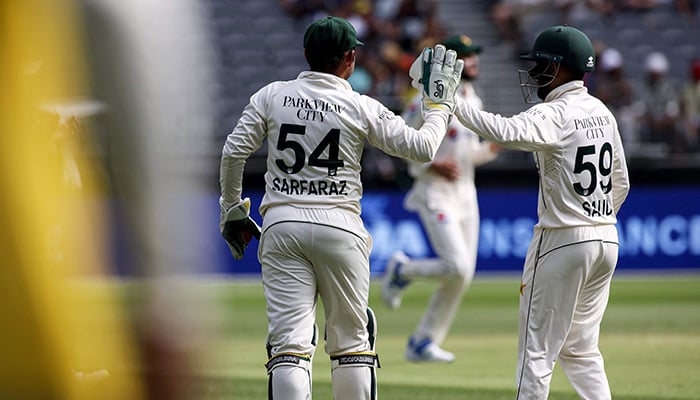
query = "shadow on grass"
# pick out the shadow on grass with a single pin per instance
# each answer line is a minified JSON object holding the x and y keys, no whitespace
{"x":207,"y":388}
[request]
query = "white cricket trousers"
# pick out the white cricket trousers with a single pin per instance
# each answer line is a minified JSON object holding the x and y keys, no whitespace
{"x":306,"y":254}
{"x":564,"y":293}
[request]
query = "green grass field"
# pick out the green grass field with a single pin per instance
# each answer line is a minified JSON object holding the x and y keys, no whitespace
{"x":650,"y":339}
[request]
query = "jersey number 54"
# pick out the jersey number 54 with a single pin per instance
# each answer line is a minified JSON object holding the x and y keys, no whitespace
{"x":330,"y":141}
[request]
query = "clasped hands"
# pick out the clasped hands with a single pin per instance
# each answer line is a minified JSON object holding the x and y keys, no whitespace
{"x":437,"y":73}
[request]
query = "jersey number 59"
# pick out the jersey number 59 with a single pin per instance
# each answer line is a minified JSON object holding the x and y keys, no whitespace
{"x":584,"y":164}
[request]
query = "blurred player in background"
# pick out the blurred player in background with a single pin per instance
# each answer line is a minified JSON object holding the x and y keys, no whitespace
{"x":690,"y":107}
{"x":583,"y":182}
{"x":313,"y":241}
{"x":658,"y":103}
{"x":444,"y":196}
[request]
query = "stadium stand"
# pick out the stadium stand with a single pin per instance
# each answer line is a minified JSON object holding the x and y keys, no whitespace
{"x":260,"y":41}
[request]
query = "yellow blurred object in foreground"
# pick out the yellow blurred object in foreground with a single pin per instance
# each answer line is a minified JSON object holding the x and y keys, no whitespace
{"x":55,"y":334}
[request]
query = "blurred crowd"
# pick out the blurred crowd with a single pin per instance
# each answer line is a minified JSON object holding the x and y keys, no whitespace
{"x":658,"y":112}
{"x":393,"y":31}
{"x":510,"y":17}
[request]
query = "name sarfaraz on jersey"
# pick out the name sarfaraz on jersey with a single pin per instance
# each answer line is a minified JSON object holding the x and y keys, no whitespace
{"x":307,"y":187}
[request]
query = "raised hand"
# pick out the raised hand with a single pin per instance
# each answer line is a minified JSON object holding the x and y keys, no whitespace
{"x":441,"y":78}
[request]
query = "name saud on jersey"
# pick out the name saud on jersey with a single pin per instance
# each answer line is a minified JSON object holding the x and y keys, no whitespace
{"x":301,"y":187}
{"x":597,"y":208}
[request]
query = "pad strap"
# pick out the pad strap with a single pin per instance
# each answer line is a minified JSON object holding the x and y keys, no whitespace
{"x":295,"y":359}
{"x":368,"y":358}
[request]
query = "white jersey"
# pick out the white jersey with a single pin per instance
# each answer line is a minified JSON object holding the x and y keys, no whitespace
{"x":316,"y":127}
{"x":578,"y":151}
{"x":460,"y":145}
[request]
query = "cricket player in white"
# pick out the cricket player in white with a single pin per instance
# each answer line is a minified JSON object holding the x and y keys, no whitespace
{"x":444,"y":196}
{"x":583,"y":183}
{"x":313,"y":240}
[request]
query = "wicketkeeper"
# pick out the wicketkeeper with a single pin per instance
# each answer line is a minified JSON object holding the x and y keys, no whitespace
{"x":313,"y":242}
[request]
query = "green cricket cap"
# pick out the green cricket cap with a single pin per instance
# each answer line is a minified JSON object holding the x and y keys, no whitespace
{"x":462,"y":45}
{"x":331,"y":35}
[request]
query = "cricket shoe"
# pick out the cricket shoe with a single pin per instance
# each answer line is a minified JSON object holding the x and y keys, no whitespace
{"x":393,"y":283}
{"x":427,"y":351}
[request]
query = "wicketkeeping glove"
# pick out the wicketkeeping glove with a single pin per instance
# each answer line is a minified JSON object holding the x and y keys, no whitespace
{"x":420,"y":68}
{"x":238,"y":228}
{"x":440,"y":74}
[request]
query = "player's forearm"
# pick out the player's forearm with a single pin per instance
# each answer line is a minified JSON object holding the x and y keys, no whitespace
{"x":517,"y":132}
{"x":244,"y":140}
{"x":231,"y":180}
{"x":432,"y":131}
{"x":417,"y":169}
{"x":398,"y":139}
{"x":620,"y":191}
{"x":621,"y":184}
{"x":481,"y":153}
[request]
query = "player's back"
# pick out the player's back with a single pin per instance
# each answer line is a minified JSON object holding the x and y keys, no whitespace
{"x":316,"y":134}
{"x":578,"y":179}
